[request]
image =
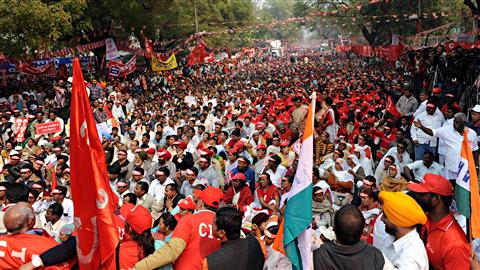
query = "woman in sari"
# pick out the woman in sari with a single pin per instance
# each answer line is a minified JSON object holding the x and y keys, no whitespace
{"x":238,"y":194}
{"x":393,"y":181}
{"x":356,"y":168}
{"x":267,"y":195}
{"x":341,"y":182}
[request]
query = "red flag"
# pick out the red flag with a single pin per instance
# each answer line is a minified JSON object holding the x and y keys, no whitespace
{"x":93,"y":199}
{"x":53,"y":185}
{"x":391,"y":108}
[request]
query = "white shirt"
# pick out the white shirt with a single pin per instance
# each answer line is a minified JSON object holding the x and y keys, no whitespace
{"x":419,"y":169}
{"x":421,"y":108}
{"x":442,"y":148}
{"x":453,"y":143}
{"x":157,"y":189}
{"x":381,"y":239}
{"x":249,"y":129}
{"x":67,"y":211}
{"x":410,"y":253}
{"x":277,"y":176}
{"x":429,"y":121}
{"x":117,"y":112}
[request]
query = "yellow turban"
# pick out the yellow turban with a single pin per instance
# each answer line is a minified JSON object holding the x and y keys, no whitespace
{"x":401,"y":209}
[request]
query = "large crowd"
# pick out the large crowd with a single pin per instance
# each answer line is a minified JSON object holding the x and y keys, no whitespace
{"x":202,"y":160}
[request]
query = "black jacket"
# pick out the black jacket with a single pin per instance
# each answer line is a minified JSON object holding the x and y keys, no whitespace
{"x":238,"y":254}
{"x":332,"y":256}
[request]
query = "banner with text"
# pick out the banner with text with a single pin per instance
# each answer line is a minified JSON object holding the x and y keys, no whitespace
{"x":46,"y":128}
{"x":21,"y":124}
{"x":159,"y":65}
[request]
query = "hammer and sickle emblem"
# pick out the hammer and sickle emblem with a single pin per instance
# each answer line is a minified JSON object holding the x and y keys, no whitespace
{"x":82,"y":257}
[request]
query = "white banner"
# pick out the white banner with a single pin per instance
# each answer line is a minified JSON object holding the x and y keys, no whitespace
{"x":111,"y":49}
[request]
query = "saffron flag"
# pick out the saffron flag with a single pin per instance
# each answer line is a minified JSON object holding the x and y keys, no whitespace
{"x":94,"y":201}
{"x":159,"y":65}
{"x":466,"y":190}
{"x":298,"y":211}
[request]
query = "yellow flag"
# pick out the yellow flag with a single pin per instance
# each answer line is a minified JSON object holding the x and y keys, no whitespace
{"x":158,"y":65}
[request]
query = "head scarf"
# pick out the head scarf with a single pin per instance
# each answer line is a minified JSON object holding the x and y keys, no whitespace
{"x":365,"y":162}
{"x":401,"y":209}
{"x":393,"y":184}
{"x":342,"y":175}
{"x":356,"y":161}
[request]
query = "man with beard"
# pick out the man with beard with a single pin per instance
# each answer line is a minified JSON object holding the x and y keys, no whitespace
{"x":401,"y":215}
{"x":350,"y":131}
{"x":164,"y":162}
{"x":447,"y":245}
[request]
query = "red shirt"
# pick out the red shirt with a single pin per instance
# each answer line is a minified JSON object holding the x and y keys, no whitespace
{"x":197,"y":232}
{"x":129,"y":254}
{"x":18,"y":249}
{"x":446,"y":245}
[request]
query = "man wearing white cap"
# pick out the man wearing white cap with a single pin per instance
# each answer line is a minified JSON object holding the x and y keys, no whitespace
{"x":122,"y":189}
{"x":206,"y":171}
{"x":59,"y":194}
{"x":157,"y":190}
{"x":475,"y":119}
{"x":27,"y":175}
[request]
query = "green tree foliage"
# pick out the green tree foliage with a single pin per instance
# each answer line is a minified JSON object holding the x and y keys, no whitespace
{"x":29,"y":25}
{"x":356,"y":16}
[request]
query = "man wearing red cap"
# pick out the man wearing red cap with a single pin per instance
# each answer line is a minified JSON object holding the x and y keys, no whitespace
{"x":446,"y":243}
{"x":192,"y":239}
{"x":183,"y":160}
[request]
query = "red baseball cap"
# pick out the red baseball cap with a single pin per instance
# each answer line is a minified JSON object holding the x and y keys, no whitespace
{"x":187,"y":204}
{"x":211,"y":196}
{"x":239,"y":176}
{"x":261,"y":146}
{"x":180,"y":144}
{"x":436,"y":90}
{"x":433,"y":183}
{"x":164,"y":154}
{"x":150,"y":151}
{"x":139,"y":219}
{"x":125,"y":209}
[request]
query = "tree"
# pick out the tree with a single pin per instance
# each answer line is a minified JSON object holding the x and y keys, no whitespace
{"x":475,"y":9}
{"x":29,"y":25}
{"x":376,"y":22}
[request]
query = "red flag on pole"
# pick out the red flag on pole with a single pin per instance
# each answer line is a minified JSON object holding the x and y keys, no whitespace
{"x":391,"y":108}
{"x":93,"y":200}
{"x":53,"y":185}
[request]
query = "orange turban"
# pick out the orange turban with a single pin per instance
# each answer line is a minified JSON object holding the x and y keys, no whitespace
{"x":401,"y":209}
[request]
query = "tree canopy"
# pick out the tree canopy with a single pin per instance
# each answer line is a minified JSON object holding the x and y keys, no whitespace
{"x":28,"y":26}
